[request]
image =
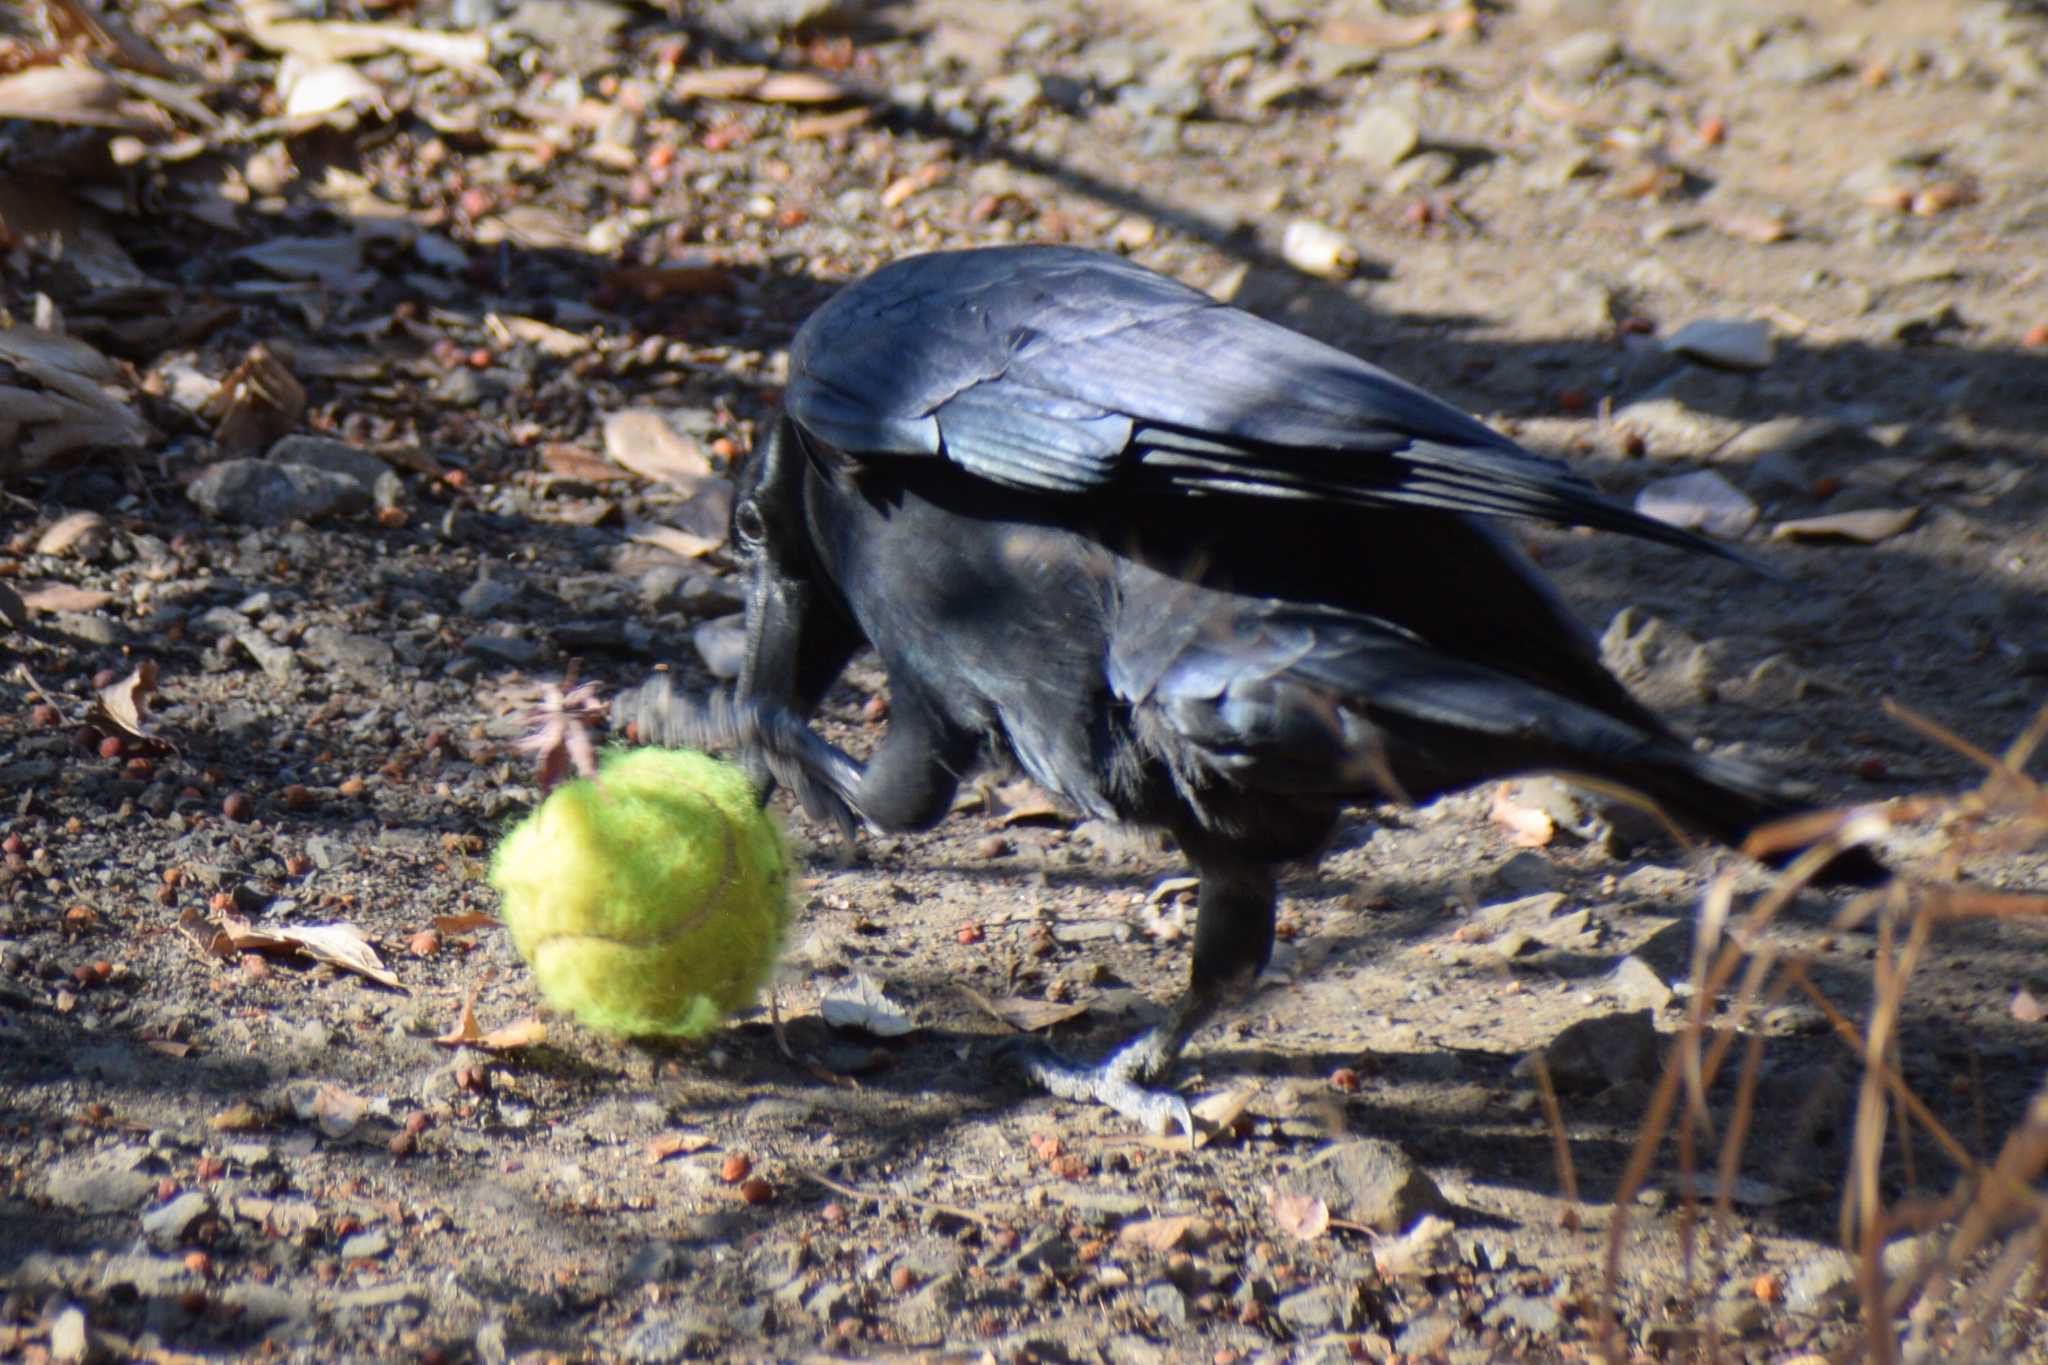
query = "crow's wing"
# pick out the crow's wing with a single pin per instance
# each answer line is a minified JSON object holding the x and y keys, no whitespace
{"x":1060,"y":370}
{"x":1291,"y":700}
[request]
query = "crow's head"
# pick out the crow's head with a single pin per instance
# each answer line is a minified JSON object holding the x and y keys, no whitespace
{"x":798,"y":635}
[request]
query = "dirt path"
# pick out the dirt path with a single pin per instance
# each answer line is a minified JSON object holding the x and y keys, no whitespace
{"x":446,"y":256}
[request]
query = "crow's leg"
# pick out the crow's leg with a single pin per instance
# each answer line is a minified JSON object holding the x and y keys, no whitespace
{"x":1233,"y":942}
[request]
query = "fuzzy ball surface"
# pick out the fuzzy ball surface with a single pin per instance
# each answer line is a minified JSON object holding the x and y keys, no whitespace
{"x":651,"y":901}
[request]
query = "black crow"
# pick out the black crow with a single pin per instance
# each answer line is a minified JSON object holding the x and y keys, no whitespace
{"x":1188,"y":568}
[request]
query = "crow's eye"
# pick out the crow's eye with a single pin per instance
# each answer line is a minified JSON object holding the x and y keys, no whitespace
{"x":747,"y":524}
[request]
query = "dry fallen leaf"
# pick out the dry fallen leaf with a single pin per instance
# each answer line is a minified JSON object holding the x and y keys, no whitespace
{"x":661,"y":1148}
{"x":64,"y":597}
{"x":1867,"y":527}
{"x":642,"y":441}
{"x":1412,"y":1252}
{"x":757,"y":83}
{"x":1527,"y":826}
{"x":333,"y":1110}
{"x":466,"y":1033}
{"x":1298,"y":1215}
{"x":1156,"y":1234}
{"x":75,"y":95}
{"x":859,"y":1002}
{"x":1024,"y":1015}
{"x":67,"y":531}
{"x":464,"y":922}
{"x":120,"y":705}
{"x":339,"y":945}
{"x":685,"y":544}
{"x":578,"y":464}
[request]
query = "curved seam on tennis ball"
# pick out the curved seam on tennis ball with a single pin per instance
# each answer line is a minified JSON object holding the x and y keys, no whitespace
{"x":713,"y":900}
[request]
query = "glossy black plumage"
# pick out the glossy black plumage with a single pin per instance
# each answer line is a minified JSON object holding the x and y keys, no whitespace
{"x":1192,"y":570}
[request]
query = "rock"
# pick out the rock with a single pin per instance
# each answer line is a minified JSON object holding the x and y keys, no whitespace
{"x":1780,"y":436}
{"x":1165,"y":1303}
{"x":1326,"y":1308}
{"x":70,"y":1341}
{"x":1536,"y":1317}
{"x":336,"y":457}
{"x":259,"y":493}
{"x":101,"y":1182}
{"x":722,"y":644}
{"x":1583,"y":56}
{"x":1526,"y":874}
{"x":1315,"y":249}
{"x":365,"y":1246}
{"x":1635,"y":982}
{"x":1370,"y":1181}
{"x":1423,"y":171}
{"x":1596,"y":1053}
{"x":149,"y":1276}
{"x":1426,"y":1335}
{"x":672,"y":1336}
{"x":1657,"y":657}
{"x":1700,"y":501}
{"x":1824,"y":1282}
{"x":346,"y":650}
{"x":1381,"y":137}
{"x":486,"y":597}
{"x":515,"y":651}
{"x":936,"y":1302}
{"x":1684,"y":415}
{"x":1728,"y":343}
{"x":167,"y":1226}
{"x":1794,"y":60}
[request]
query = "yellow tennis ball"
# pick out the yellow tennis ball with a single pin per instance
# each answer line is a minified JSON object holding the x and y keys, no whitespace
{"x":651,"y":901}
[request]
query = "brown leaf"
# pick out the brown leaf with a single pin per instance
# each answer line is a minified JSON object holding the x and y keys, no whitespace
{"x":1298,"y":1215}
{"x":676,"y":541}
{"x":828,"y":125}
{"x":168,"y":1047}
{"x":120,"y":705}
{"x":339,"y":945}
{"x":335,"y":1111}
{"x":1527,"y":826}
{"x":1156,"y":1234}
{"x":1761,"y":228}
{"x":641,"y":440}
{"x":209,"y":938}
{"x":240,"y":1117}
{"x":259,"y":401}
{"x":1025,"y":802}
{"x":64,"y":597}
{"x":75,"y":95}
{"x":576,"y":463}
{"x":1867,"y":527}
{"x":661,"y":1148}
{"x":1411,"y":1252}
{"x":1027,"y":1016}
{"x":464,"y":922}
{"x":1392,"y":33}
{"x":66,"y":531}
{"x":466,"y":1033}
{"x":757,"y":83}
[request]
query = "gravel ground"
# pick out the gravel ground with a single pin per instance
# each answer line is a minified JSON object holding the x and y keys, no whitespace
{"x":360,"y":380}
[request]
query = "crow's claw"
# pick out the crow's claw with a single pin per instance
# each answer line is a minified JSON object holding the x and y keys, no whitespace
{"x":1111,"y":1082}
